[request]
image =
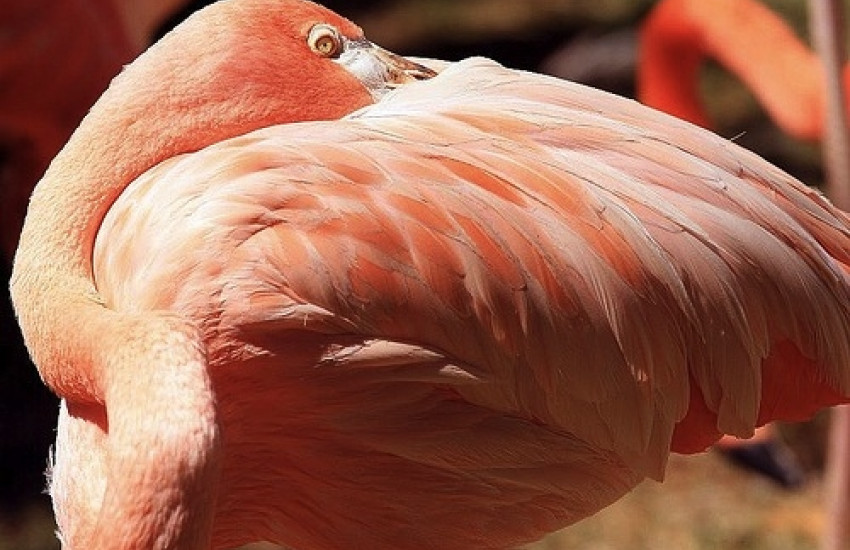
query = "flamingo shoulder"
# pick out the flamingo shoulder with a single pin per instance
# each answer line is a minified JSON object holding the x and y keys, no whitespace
{"x":573,"y":258}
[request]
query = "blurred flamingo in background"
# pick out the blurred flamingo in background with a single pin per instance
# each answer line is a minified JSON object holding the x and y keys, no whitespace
{"x":746,"y":38}
{"x":287,"y":292}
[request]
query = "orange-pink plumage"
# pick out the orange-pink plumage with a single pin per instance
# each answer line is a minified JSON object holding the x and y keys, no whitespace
{"x":457,"y":314}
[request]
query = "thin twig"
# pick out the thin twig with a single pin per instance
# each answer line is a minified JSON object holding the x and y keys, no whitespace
{"x":827,"y":20}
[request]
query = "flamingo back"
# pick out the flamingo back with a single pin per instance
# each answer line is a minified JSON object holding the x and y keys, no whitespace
{"x":494,"y":285}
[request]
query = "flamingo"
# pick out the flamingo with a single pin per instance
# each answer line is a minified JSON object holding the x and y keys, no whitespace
{"x":746,"y":38}
{"x":292,"y":287}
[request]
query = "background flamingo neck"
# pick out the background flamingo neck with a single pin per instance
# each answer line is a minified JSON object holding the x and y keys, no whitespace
{"x":747,"y":39}
{"x":668,"y":72}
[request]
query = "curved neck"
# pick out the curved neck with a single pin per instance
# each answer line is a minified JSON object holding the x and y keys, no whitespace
{"x":170,"y":101}
{"x":747,"y":39}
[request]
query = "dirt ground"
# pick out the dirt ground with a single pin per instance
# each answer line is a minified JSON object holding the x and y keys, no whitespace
{"x":704,"y":504}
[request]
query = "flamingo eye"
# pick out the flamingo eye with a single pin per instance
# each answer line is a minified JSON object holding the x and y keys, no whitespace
{"x":325,"y":40}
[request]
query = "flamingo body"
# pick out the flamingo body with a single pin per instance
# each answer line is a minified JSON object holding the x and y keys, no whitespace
{"x":473,"y":312}
{"x":402,"y":285}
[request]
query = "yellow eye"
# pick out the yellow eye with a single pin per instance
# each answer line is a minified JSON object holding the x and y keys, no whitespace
{"x":325,"y":41}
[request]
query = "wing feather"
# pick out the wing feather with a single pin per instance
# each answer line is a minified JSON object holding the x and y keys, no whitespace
{"x":566,"y":256}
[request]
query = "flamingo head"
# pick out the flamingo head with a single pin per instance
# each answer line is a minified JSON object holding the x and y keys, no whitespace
{"x":278,"y":61}
{"x":231,"y":68}
{"x":377,"y":69}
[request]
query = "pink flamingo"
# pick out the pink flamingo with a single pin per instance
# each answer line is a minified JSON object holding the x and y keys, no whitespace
{"x":288,"y":293}
{"x":748,"y":39}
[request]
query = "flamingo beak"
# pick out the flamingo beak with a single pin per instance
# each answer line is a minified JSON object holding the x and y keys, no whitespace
{"x":379,"y":70}
{"x":399,"y":69}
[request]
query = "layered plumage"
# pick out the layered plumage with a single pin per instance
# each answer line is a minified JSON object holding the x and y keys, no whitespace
{"x":467,"y":315}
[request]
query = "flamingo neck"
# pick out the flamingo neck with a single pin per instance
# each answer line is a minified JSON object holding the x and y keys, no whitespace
{"x":160,"y":106}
